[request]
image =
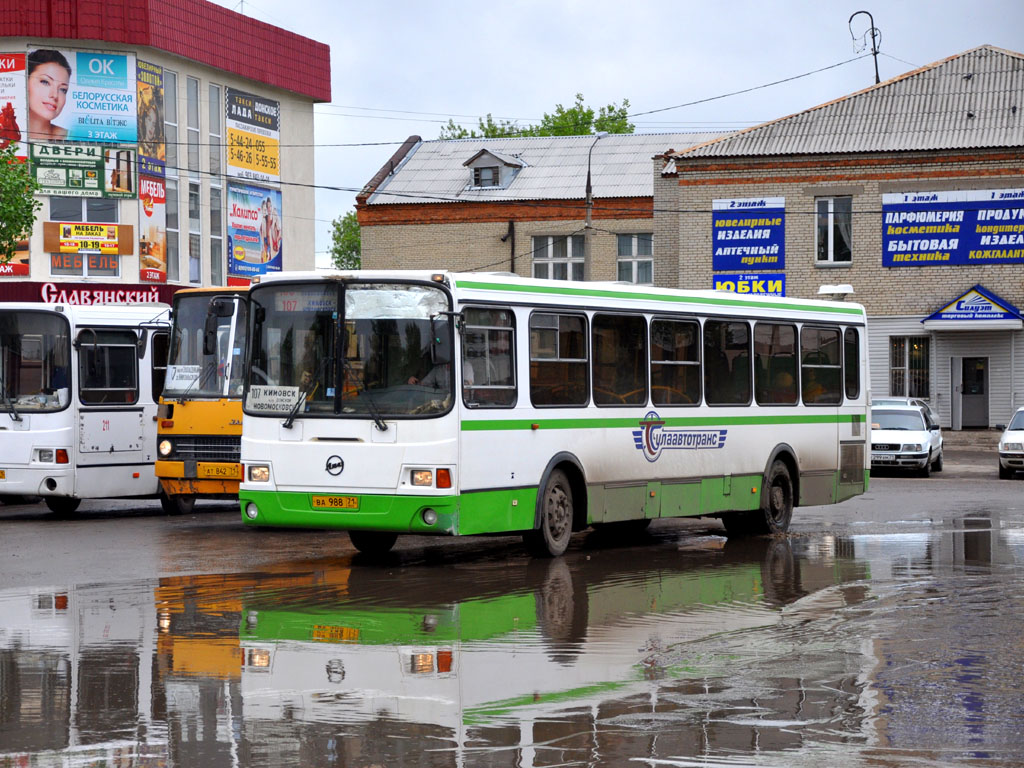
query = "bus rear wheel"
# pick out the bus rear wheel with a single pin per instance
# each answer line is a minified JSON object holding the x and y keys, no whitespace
{"x":551,"y":539}
{"x":62,"y":505}
{"x":776,"y":510}
{"x":373,"y":542}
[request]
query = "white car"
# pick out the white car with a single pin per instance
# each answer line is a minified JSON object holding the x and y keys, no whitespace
{"x":1011,"y":446}
{"x":905,"y":437}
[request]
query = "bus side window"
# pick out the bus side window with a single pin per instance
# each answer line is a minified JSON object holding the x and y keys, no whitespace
{"x":488,"y":360}
{"x":820,"y":366}
{"x":558,"y":359}
{"x":619,"y":359}
{"x":726,"y":362}
{"x":775,"y":374}
{"x":675,"y":362}
{"x":108,"y":367}
{"x":851,"y":363}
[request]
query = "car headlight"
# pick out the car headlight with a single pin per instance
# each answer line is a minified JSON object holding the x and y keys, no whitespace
{"x":912,"y":447}
{"x":259,"y":473}
{"x":1012,"y":447}
{"x":165,"y":447}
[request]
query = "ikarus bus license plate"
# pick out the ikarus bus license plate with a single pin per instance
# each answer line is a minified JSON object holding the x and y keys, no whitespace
{"x":219,"y":471}
{"x":335,"y":502}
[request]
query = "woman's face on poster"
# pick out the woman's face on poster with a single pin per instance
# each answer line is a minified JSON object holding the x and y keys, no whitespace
{"x":48,"y":90}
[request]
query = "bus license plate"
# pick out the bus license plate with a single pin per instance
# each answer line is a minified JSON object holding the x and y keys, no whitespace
{"x":335,"y":502}
{"x":883,"y":457}
{"x":327,"y":633}
{"x":219,"y":471}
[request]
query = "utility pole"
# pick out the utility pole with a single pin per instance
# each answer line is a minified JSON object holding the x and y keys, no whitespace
{"x":588,"y":231}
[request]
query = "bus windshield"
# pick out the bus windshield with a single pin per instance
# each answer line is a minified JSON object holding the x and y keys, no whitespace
{"x":199,"y":366}
{"x":35,"y":361}
{"x":386,"y":353}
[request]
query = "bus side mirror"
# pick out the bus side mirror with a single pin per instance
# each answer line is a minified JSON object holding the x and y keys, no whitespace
{"x":210,"y":334}
{"x":440,"y":341}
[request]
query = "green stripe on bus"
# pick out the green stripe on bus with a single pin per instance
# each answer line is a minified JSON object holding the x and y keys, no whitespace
{"x":605,"y":293}
{"x":488,"y":425}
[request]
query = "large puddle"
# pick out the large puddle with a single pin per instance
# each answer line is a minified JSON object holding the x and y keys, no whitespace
{"x":898,"y":649}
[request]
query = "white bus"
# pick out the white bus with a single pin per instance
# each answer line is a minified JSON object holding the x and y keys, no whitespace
{"x":78,"y":388}
{"x":415,"y":402}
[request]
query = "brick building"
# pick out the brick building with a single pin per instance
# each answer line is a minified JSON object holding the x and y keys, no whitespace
{"x":180,"y":153}
{"x":911,"y":192}
{"x":517,"y":205}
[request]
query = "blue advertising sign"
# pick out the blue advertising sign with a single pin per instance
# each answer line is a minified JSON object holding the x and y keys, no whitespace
{"x":748,"y":233}
{"x":255,"y":230}
{"x":976,"y":304}
{"x":980,"y":226}
{"x":770,"y":284}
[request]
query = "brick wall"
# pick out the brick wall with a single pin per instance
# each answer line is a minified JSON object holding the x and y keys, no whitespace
{"x":682,"y":221}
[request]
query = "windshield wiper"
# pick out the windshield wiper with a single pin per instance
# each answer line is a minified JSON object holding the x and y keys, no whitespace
{"x":303,"y":391}
{"x":15,"y":416}
{"x":371,"y":406}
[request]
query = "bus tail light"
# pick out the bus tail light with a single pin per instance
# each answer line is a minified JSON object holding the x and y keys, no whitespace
{"x":444,"y":661}
{"x":62,"y":456}
{"x":444,"y":478}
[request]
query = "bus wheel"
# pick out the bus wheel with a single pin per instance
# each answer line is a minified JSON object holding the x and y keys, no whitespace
{"x":552,"y":538}
{"x":177,"y":505}
{"x":62,"y":505}
{"x":776,"y":507}
{"x":373,"y":542}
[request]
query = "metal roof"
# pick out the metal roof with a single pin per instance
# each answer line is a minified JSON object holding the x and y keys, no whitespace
{"x":554,"y":168}
{"x":971,"y":100}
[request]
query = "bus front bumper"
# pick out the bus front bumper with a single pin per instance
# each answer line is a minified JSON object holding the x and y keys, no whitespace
{"x":202,"y":479}
{"x":394,"y":513}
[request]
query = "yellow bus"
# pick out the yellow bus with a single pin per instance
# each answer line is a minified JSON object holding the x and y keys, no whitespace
{"x":199,"y":422}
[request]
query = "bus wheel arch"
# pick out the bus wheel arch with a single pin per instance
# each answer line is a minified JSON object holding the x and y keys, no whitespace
{"x":784,"y":452}
{"x":779,"y":494}
{"x":561,"y":492}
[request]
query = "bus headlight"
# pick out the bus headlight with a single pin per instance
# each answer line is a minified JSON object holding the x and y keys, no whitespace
{"x":422,"y":477}
{"x":259,"y":473}
{"x":165,"y":447}
{"x":46,"y":455}
{"x":259,"y":658}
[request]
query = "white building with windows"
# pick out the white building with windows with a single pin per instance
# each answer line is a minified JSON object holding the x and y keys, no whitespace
{"x":168,"y":155}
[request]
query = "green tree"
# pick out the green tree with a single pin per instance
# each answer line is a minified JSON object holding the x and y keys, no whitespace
{"x":346,"y":244}
{"x":576,"y":120}
{"x":18,"y":204}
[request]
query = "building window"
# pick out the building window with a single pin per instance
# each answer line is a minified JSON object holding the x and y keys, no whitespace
{"x":489,"y":176}
{"x":909,"y":366}
{"x":89,"y":210}
{"x":171,"y":124}
{"x":192,"y":116}
{"x":216,"y":137}
{"x":173,"y":228}
{"x":195,"y":233}
{"x":216,"y":236}
{"x":558,"y":257}
{"x":834,"y":234}
{"x":636,"y":258}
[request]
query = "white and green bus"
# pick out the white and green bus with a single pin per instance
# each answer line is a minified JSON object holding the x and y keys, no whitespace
{"x":389,"y":402}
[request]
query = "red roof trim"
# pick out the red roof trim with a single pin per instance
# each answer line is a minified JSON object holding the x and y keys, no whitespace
{"x":193,"y":29}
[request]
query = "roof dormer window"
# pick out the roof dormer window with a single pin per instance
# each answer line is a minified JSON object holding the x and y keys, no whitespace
{"x":487,"y":176}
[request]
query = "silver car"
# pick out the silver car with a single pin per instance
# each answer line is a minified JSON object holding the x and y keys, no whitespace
{"x":1011,"y":446}
{"x":905,"y":437}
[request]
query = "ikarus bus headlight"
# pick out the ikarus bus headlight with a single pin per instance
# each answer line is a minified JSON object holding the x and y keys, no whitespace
{"x":259,"y":473}
{"x":165,"y":447}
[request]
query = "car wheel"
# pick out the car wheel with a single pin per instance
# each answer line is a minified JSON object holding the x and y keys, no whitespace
{"x":926,"y":470}
{"x":1005,"y":473}
{"x":937,"y":464}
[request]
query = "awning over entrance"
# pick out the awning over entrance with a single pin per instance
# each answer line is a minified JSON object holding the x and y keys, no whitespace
{"x":976,"y":310}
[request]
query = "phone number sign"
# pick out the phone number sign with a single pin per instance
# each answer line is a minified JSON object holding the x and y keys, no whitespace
{"x":253,"y":136}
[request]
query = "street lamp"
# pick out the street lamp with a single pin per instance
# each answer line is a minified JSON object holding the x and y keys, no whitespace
{"x":587,"y":229}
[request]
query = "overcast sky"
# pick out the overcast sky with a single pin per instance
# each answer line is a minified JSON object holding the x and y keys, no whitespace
{"x":405,"y":67}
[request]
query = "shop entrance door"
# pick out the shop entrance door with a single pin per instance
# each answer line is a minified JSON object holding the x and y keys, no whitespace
{"x":974,"y":397}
